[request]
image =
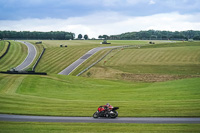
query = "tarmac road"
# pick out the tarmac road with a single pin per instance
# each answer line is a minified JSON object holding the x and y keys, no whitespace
{"x":23,"y":118}
{"x":78,"y":62}
{"x":30,"y":57}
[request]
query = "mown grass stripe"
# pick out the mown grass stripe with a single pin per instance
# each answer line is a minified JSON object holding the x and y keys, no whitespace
{"x":60,"y":59}
{"x":16,"y":54}
{"x":182,"y":58}
{"x":4,"y":47}
{"x":70,"y":96}
{"x":9,"y":57}
{"x":22,"y":49}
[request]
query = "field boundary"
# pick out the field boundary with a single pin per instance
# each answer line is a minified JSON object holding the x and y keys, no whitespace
{"x":36,"y":63}
{"x":127,"y":46}
{"x":6,"y":51}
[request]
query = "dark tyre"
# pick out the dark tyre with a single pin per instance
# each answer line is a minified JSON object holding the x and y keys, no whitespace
{"x":114,"y":114}
{"x":95,"y":115}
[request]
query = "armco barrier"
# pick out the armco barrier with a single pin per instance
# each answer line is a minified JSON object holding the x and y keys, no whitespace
{"x":6,"y":50}
{"x":24,"y":72}
{"x":128,"y":46}
{"x":36,"y":63}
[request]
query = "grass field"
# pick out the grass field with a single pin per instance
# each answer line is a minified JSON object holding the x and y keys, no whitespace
{"x":89,"y":61}
{"x":75,"y":96}
{"x":39,"y":49}
{"x":15,"y":56}
{"x":60,"y":95}
{"x":2,"y":46}
{"x":89,"y":43}
{"x":21,"y":127}
{"x":162,"y":59}
{"x":57,"y":58}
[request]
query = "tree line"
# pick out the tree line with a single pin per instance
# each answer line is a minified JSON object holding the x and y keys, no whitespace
{"x":141,"y":35}
{"x":155,"y":35}
{"x":57,"y":35}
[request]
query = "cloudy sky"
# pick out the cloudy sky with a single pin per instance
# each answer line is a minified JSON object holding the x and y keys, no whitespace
{"x":97,"y":17}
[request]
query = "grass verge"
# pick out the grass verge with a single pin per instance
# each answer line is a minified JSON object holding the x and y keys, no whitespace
{"x":3,"y":47}
{"x":15,"y":56}
{"x":32,"y":127}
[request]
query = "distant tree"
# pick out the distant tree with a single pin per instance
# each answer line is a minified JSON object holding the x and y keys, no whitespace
{"x":105,"y":36}
{"x":85,"y":37}
{"x":60,"y":35}
{"x":156,"y":34}
{"x":73,"y":35}
{"x":196,"y":38}
{"x":68,"y":37}
{"x":1,"y":35}
{"x":100,"y":37}
{"x":80,"y":36}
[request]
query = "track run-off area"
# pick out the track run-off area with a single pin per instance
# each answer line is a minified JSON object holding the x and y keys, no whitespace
{"x":152,"y":120}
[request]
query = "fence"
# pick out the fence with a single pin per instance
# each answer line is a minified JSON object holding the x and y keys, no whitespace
{"x":36,"y":63}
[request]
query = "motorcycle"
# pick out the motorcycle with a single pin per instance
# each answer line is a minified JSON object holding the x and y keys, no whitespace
{"x":108,"y":112}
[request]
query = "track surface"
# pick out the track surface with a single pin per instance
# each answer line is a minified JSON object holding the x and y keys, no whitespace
{"x":30,"y":57}
{"x":78,"y":62}
{"x":23,"y":118}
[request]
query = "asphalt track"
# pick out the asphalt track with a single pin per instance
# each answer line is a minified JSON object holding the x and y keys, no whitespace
{"x":78,"y":62}
{"x":30,"y":57}
{"x":24,"y":118}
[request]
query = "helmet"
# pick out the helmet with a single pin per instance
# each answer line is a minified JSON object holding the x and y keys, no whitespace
{"x":108,"y":104}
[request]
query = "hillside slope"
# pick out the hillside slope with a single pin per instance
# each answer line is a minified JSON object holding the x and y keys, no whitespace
{"x":57,"y":58}
{"x":161,"y":59}
{"x":15,"y":56}
{"x":76,"y":96}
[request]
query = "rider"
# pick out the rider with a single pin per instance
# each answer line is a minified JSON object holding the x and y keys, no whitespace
{"x":107,"y":107}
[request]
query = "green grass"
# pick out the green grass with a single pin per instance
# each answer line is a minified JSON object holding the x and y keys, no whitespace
{"x":88,"y":43}
{"x":32,"y":127}
{"x":39,"y":49}
{"x":3,"y":47}
{"x":169,"y":60}
{"x":90,"y":61}
{"x":58,"y":95}
{"x":15,"y":56}
{"x":75,"y":96}
{"x":176,"y":58}
{"x":57,"y":58}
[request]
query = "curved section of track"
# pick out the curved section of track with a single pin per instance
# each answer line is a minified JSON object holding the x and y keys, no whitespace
{"x":30,"y":57}
{"x":78,"y":62}
{"x":24,"y":118}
